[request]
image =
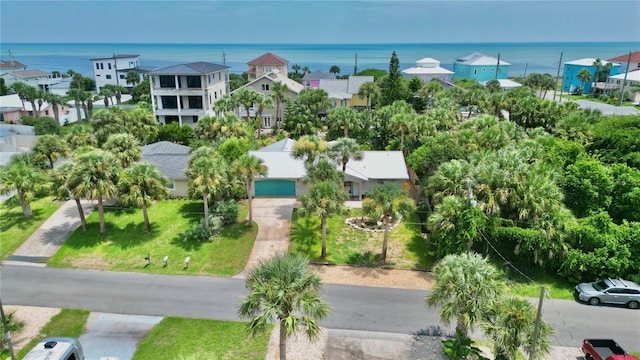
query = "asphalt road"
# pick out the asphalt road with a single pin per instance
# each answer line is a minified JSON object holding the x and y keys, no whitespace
{"x":354,"y":307}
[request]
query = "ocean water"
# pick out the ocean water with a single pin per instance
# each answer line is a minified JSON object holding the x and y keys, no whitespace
{"x":525,"y":58}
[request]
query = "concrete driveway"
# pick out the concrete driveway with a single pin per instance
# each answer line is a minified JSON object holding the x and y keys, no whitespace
{"x":273,"y":216}
{"x":114,"y":336}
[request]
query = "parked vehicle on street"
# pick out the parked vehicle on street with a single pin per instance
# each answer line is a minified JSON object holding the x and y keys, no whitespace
{"x":56,"y":348}
{"x":604,"y":349}
{"x":609,"y":291}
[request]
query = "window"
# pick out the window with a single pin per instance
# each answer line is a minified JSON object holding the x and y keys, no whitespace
{"x":97,"y":66}
{"x":108,"y":76}
{"x":167,"y":81}
{"x":194,"y":82}
{"x":475,"y":71}
{"x":171,"y":185}
{"x":109,"y":66}
{"x":209,"y":78}
{"x":265,"y":87}
{"x":195,"y":102}
{"x":122,"y":77}
{"x":171,"y":119}
{"x":219,"y":76}
{"x":169,"y":102}
{"x":194,"y":119}
{"x":484,"y":70}
{"x":492,"y":69}
{"x":266,"y":122}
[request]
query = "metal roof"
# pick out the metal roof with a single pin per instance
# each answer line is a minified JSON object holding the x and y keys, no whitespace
{"x":476,"y":58}
{"x":586,"y":62}
{"x":120,"y":56}
{"x":317,"y":75}
{"x":195,"y":68}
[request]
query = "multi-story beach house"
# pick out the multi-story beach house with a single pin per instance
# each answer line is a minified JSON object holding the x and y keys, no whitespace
{"x":570,"y":81}
{"x":265,"y":64}
{"x":480,"y":67}
{"x":187,"y":92}
{"x":427,"y":69}
{"x":36,"y":78}
{"x":113,"y":69}
{"x":631,"y":81}
{"x":11,"y":65}
{"x":633,"y":62}
{"x":264,"y":85}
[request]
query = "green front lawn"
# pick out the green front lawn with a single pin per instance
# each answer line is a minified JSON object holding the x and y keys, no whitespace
{"x":182,"y":338}
{"x":68,"y":323}
{"x":125,"y":244}
{"x":15,"y":229}
{"x":346,"y":245}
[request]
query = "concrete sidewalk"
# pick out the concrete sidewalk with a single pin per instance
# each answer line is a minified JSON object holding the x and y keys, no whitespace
{"x":46,"y":241}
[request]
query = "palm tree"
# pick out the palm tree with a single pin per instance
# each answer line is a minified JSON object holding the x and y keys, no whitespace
{"x":77,"y":94}
{"x":80,"y":136}
{"x":324,"y":199}
{"x":401,"y":123}
{"x":143,"y":123}
{"x":33,"y":94}
{"x":250,"y":167}
{"x":116,"y":90}
{"x":388,"y":203}
{"x":584,"y":75}
{"x":369,"y":90}
{"x":345,"y":149}
{"x":60,"y":184}
{"x":295,"y":68}
{"x":23,"y":178}
{"x":335,"y":70}
{"x":309,"y":148}
{"x":597,"y":64}
{"x":207,"y":176}
{"x":20,"y":88}
{"x":50,"y":147}
{"x":95,"y":176}
{"x":466,"y":288}
{"x":55,"y":101}
{"x":225,"y":104}
{"x":132,"y":78}
{"x":323,"y":170}
{"x":278,"y":93}
{"x":263,"y":102}
{"x":125,"y":147}
{"x":510,"y":324}
{"x":109,"y":121}
{"x":141,"y":185}
{"x":285,"y":289}
{"x":343,"y":117}
{"x":246,"y":96}
{"x":106,"y":93}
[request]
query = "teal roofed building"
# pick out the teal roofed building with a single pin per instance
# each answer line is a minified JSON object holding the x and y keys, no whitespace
{"x":480,"y":67}
{"x":570,"y":81}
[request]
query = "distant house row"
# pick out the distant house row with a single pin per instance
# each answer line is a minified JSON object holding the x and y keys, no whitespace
{"x":185,"y":93}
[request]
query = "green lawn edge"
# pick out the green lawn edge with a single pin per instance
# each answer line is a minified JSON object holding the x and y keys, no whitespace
{"x":125,"y":244}
{"x":15,"y":229}
{"x":178,"y":338}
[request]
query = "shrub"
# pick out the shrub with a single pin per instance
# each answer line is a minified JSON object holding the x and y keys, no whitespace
{"x":198,"y":231}
{"x":227,"y":210}
{"x":46,"y":125}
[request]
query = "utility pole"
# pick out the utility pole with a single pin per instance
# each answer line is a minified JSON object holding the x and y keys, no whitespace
{"x":355,"y":68}
{"x":115,"y":67}
{"x":498,"y":66}
{"x":624,"y":82}
{"x":555,"y":88}
{"x":536,"y":330}
{"x":6,"y":335}
{"x":526,"y":65}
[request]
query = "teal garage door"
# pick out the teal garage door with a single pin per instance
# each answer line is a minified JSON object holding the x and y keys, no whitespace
{"x":275,"y":188}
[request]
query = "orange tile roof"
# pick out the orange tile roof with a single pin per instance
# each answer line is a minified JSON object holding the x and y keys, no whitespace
{"x":635,"y":57}
{"x":268,"y":59}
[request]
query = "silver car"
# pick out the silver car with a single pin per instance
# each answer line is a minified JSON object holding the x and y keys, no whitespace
{"x":610,"y":291}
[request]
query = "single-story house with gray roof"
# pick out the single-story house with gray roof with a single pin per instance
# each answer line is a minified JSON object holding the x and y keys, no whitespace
{"x":285,"y":174}
{"x":172,"y":161}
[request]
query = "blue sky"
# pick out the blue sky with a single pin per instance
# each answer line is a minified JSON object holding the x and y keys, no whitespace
{"x":319,"y":21}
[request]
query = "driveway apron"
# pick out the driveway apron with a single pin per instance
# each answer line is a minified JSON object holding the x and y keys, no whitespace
{"x":46,"y":241}
{"x":273,"y":216}
{"x":114,"y":335}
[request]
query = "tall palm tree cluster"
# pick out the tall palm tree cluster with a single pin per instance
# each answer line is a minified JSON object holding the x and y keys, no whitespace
{"x":93,"y":173}
{"x":470,"y":289}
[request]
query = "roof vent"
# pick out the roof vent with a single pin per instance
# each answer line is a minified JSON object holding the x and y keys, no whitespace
{"x":50,"y":344}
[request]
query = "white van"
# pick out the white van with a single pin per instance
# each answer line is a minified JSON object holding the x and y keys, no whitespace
{"x":56,"y":348}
